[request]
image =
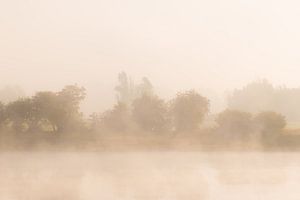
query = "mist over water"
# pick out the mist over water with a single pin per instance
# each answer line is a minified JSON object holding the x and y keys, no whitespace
{"x":149,"y":100}
{"x":149,"y":175}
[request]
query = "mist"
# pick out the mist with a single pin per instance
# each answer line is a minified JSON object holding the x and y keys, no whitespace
{"x":152,"y":99}
{"x":212,"y":45}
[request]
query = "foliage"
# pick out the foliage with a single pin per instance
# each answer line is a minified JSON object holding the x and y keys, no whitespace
{"x":262,"y":95}
{"x":138,"y":106}
{"x":150,"y":113}
{"x":188,"y":110}
{"x":116,"y":119}
{"x":22,"y":114}
{"x":270,"y":122}
{"x":125,"y":89}
{"x":60,"y":110}
{"x":3,"y":115}
{"x":128,"y":91}
{"x":69,"y":100}
{"x":234,"y":122}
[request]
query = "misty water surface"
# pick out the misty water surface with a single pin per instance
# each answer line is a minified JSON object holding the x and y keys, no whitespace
{"x":156,"y":175}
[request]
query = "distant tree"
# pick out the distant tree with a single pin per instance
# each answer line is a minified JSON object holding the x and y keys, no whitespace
{"x":22,"y":115}
{"x":145,"y":88}
{"x":270,"y":123}
{"x":3,"y":115}
{"x":72,"y":95}
{"x":49,"y":109}
{"x":60,"y":110}
{"x":262,"y":95}
{"x":234,"y":123}
{"x":125,"y":89}
{"x":150,"y":113}
{"x":188,"y":110}
{"x":69,"y":99}
{"x":116,"y":119}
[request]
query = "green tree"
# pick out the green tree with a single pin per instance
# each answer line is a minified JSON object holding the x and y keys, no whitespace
{"x":188,"y":110}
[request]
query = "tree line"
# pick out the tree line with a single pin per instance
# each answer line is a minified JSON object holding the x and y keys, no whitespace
{"x":45,"y":111}
{"x":137,"y":109}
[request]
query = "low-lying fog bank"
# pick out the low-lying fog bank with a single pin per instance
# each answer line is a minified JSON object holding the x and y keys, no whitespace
{"x":156,"y":175}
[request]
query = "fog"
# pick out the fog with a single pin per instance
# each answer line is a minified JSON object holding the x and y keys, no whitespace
{"x":213,"y":45}
{"x":171,"y":175}
{"x":160,"y":99}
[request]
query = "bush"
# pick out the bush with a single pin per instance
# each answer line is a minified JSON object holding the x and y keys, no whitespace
{"x":188,"y":110}
{"x":235,"y":123}
{"x":150,"y":113}
{"x":116,"y":119}
{"x":270,"y":123}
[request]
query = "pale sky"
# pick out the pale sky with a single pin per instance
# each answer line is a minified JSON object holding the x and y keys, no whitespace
{"x":178,"y":44}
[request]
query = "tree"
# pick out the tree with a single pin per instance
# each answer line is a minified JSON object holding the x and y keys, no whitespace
{"x":3,"y":115}
{"x":261,"y":95}
{"x":150,"y":113}
{"x":60,"y":109}
{"x":125,"y":89}
{"x":188,"y":110}
{"x":270,"y":123}
{"x":72,"y":95}
{"x":235,"y":123}
{"x":22,"y":115}
{"x":254,"y":97}
{"x":145,"y":88}
{"x":69,"y":99}
{"x":116,"y":119}
{"x":49,"y":109}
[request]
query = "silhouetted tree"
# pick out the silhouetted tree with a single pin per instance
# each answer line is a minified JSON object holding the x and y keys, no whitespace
{"x":150,"y":113}
{"x":188,"y":110}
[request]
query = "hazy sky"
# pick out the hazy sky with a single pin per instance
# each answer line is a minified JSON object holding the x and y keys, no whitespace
{"x":216,"y":44}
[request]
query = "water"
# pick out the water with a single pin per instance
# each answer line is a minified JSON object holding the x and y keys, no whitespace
{"x":145,"y":175}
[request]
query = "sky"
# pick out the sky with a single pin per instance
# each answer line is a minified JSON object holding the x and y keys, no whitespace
{"x":212,"y":46}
